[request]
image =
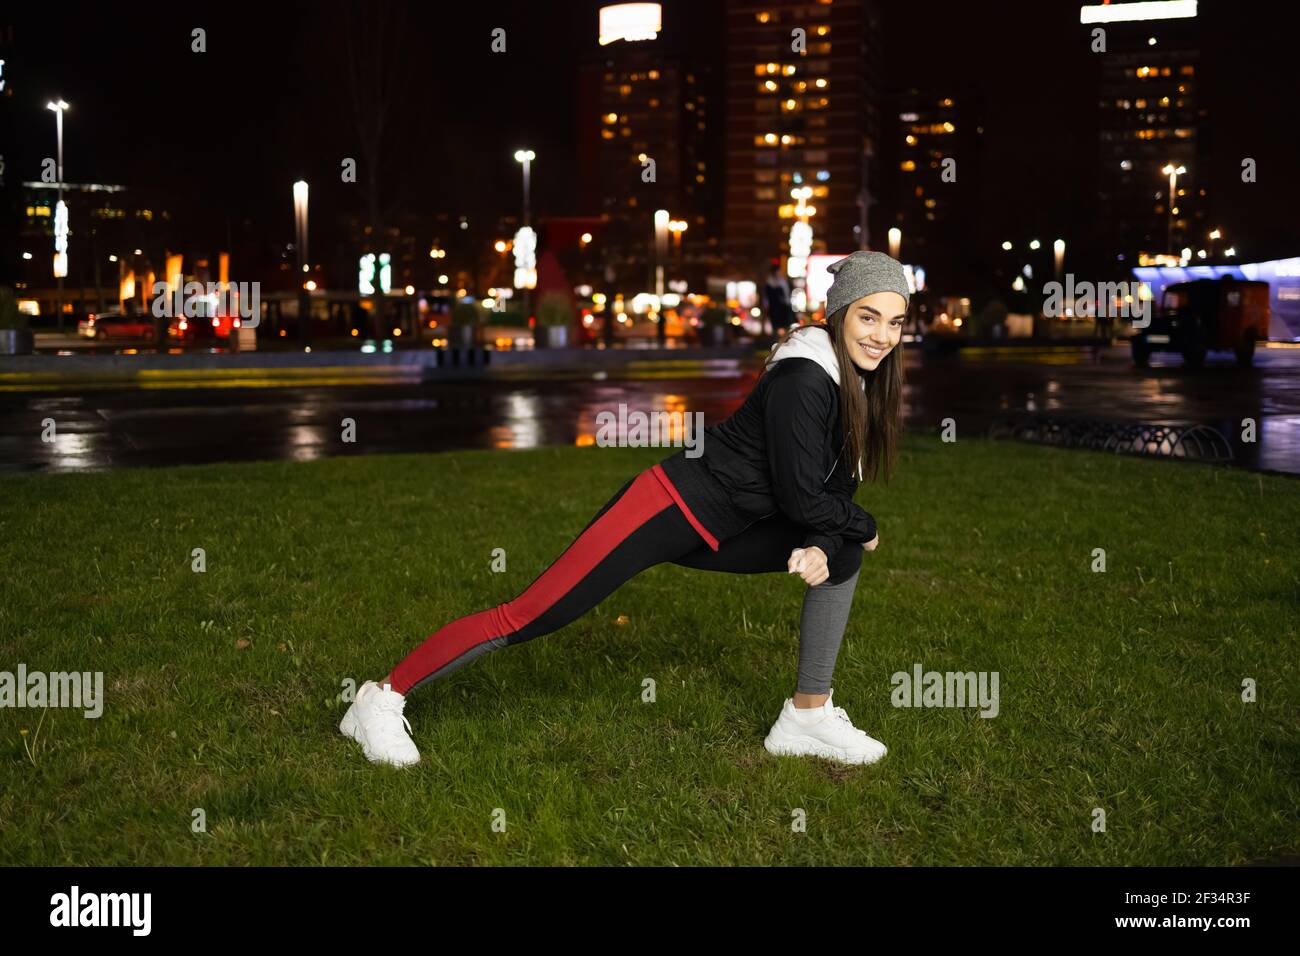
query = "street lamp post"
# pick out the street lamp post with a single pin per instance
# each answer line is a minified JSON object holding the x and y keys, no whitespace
{"x":300,"y":243}
{"x":661,"y":221}
{"x":1173,"y":172}
{"x":61,"y":212}
{"x":526,"y":157}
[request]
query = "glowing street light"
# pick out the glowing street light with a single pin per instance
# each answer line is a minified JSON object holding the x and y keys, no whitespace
{"x":300,"y":243}
{"x":60,"y":211}
{"x":1173,"y":172}
{"x":525,"y":238}
{"x":895,"y":242}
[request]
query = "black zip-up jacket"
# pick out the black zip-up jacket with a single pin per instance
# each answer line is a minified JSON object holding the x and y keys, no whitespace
{"x":783,"y":449}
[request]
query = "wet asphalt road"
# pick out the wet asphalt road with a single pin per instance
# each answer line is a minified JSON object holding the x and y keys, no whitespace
{"x":98,"y":430}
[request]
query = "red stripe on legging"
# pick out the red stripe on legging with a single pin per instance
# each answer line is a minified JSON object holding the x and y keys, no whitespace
{"x":709,"y":539}
{"x":643,"y":499}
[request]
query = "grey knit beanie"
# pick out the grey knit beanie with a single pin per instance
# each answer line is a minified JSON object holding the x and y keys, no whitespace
{"x":863,"y":273}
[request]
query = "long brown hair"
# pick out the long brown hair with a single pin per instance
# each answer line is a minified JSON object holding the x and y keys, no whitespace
{"x":872,"y":420}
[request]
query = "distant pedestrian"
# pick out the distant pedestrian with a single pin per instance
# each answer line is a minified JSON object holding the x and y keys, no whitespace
{"x":776,"y":293}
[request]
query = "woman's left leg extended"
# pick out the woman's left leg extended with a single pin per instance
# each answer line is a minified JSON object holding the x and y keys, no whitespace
{"x":638,"y":527}
{"x":764,"y":547}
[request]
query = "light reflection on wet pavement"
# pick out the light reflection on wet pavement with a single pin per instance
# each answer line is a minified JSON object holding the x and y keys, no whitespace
{"x":97,"y":430}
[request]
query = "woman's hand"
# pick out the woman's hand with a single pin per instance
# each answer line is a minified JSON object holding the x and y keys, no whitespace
{"x":871,"y":545}
{"x":810,"y":564}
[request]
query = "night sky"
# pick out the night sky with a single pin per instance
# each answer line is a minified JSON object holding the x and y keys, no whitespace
{"x":222,"y":135}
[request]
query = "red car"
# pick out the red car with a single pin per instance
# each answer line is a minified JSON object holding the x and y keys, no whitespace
{"x":115,"y":325}
{"x":201,"y":328}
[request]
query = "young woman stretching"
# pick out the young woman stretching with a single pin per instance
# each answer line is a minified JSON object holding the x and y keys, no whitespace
{"x":772,"y":491}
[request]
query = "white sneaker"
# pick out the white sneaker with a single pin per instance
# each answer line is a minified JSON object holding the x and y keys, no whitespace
{"x":830,"y":735}
{"x":375,"y":721}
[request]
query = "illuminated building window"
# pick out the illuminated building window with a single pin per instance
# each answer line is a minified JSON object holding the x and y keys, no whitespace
{"x":823,"y":31}
{"x":763,"y":16}
{"x":907,"y":166}
{"x":606,"y":134}
{"x":611,"y":118}
{"x":931,"y":203}
{"x":653,"y":74}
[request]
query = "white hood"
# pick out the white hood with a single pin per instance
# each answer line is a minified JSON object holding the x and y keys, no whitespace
{"x":811,"y":342}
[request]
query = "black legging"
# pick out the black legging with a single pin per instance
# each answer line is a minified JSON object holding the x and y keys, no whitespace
{"x":639,"y":527}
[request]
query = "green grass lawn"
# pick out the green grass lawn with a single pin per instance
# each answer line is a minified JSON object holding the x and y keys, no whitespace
{"x":1119,"y":690}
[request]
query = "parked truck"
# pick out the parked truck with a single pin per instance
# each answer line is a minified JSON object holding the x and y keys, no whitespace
{"x":1206,"y":315}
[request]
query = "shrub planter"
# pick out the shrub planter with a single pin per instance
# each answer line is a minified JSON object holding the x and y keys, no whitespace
{"x":557,"y":336}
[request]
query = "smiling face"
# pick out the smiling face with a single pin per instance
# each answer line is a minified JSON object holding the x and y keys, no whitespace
{"x":873,"y":326}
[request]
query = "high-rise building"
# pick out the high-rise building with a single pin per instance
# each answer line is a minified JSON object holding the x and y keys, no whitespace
{"x":1152,"y":128}
{"x":801,"y":112}
{"x":932,"y":181}
{"x":649,"y":115}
